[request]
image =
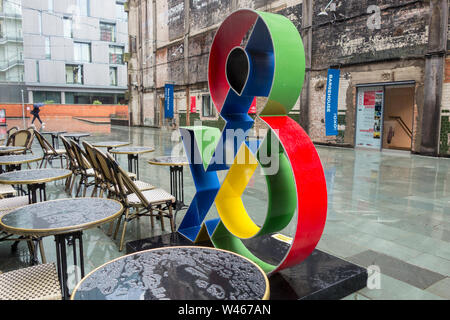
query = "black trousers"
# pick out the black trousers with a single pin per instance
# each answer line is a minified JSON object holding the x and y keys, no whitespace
{"x":36,"y":116}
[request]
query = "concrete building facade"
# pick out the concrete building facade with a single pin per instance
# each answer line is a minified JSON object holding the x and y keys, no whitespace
{"x":73,"y":50}
{"x":392,"y":54}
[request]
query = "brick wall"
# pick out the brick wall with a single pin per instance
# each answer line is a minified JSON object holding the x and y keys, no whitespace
{"x":69,"y":110}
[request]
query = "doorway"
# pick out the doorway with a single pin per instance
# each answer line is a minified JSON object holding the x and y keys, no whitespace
{"x":398,"y":118}
{"x":384,"y":118}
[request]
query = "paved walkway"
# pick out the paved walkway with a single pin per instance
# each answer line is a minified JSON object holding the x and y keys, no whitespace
{"x":388,"y":209}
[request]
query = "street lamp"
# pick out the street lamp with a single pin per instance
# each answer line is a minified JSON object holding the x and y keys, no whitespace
{"x":23,"y":110}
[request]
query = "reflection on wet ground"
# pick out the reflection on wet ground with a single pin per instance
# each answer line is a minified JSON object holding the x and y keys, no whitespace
{"x":387,"y":209}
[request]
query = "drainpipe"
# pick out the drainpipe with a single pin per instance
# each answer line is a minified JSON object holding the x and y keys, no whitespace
{"x":155,"y":96}
{"x":186,"y":59}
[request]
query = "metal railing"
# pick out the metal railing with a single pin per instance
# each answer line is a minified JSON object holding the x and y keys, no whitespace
{"x":5,"y":65}
{"x":403,"y":125}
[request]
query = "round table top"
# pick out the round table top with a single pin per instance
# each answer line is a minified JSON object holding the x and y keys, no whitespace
{"x":19,"y":159}
{"x":53,"y":132}
{"x":60,"y":216}
{"x":34,"y":176}
{"x":131,"y":150}
{"x":169,"y":161}
{"x":175,"y":273}
{"x":110,"y":144}
{"x":76,"y":135}
{"x":10,"y":149}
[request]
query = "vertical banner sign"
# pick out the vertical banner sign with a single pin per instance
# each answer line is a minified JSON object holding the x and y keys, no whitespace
{"x":331,"y":102}
{"x":193,"y":104}
{"x":168,"y":101}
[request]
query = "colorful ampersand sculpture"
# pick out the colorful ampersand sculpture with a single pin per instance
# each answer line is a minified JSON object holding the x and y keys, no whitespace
{"x":271,"y":64}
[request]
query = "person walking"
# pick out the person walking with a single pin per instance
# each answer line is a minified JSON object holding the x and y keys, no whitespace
{"x":35,"y":113}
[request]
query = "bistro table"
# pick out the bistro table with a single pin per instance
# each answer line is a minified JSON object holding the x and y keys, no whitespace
{"x":176,"y":165}
{"x":55,"y":135}
{"x":175,"y":273}
{"x":133,"y":156}
{"x":35,"y":179}
{"x":76,"y":136}
{"x":14,"y":162}
{"x":64,"y":219}
{"x":110,"y":144}
{"x":10,"y":149}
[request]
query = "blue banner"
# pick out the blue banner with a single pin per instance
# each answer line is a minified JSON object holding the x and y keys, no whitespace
{"x":331,"y":102}
{"x":168,"y":101}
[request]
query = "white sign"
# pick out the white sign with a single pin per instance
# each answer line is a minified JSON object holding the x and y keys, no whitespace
{"x":369,"y":117}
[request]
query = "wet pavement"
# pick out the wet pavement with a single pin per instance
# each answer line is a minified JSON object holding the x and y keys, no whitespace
{"x":390,"y":210}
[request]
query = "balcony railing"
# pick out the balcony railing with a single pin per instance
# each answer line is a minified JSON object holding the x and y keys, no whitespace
{"x":5,"y":65}
{"x":5,"y":39}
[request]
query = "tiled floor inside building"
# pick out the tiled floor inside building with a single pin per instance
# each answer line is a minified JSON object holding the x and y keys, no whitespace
{"x":386,"y":209}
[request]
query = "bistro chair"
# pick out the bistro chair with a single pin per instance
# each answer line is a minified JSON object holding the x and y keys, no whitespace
{"x":38,"y":282}
{"x":6,"y":190}
{"x":156,"y":202}
{"x":7,"y":205}
{"x":101,"y":183}
{"x":21,"y":138}
{"x":50,"y":153}
{"x":30,"y":143}
{"x":72,"y":164}
{"x":11,"y":131}
{"x":107,"y":182}
{"x":86,"y":170}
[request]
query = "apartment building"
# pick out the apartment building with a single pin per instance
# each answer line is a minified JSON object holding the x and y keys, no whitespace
{"x":71,"y":51}
{"x":11,"y":51}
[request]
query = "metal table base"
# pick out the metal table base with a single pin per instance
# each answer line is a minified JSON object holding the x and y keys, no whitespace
{"x":61,"y":259}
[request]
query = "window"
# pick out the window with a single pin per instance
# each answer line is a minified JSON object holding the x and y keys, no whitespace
{"x":113,"y":76}
{"x":50,"y":5}
{"x":120,"y":12}
{"x":48,"y":53}
{"x":107,"y":32}
{"x":132,"y":44}
{"x":74,"y":74}
{"x":207,"y":109}
{"x":82,"y":52}
{"x":116,"y":55}
{"x":40,"y":22}
{"x":47,"y":96}
{"x":83,"y":7}
{"x":37,"y":72}
{"x":68,"y":27}
{"x":1,"y":5}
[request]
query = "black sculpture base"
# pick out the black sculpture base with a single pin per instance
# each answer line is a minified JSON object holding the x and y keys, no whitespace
{"x":320,"y":277}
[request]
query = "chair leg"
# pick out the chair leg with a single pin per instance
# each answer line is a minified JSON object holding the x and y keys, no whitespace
{"x":79,"y":187}
{"x":161,"y":216}
{"x":42,"y":162}
{"x":125,"y":223}
{"x":74,"y":177}
{"x":110,"y":230}
{"x":152,"y":218}
{"x":172,"y":222}
{"x":41,"y":249}
{"x":119,"y":221}
{"x":85,"y":188}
